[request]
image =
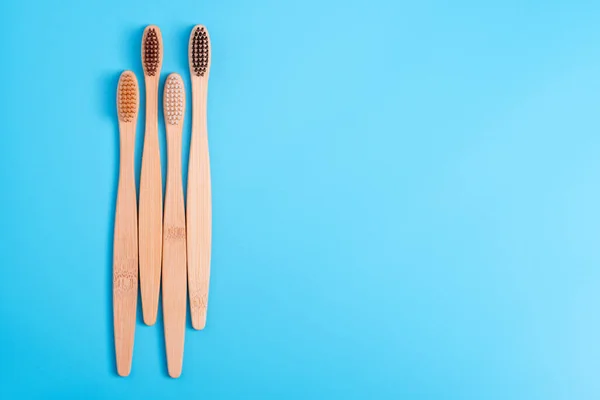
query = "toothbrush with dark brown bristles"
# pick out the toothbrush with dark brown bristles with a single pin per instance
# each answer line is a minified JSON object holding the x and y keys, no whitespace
{"x":151,"y":208}
{"x":199,"y":214}
{"x":174,"y":273}
{"x":125,"y":245}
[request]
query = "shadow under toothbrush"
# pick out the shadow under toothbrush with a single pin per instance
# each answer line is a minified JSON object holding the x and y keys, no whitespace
{"x":183,"y":38}
{"x":132,"y":48}
{"x":162,"y":350}
{"x":108,"y":87}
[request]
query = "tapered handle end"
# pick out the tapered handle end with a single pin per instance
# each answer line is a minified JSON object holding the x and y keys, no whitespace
{"x":123,"y":370}
{"x":198,"y":312}
{"x":149,"y":319}
{"x":174,"y":371}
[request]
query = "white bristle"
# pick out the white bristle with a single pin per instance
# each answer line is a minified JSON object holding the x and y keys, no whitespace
{"x":173,"y":100}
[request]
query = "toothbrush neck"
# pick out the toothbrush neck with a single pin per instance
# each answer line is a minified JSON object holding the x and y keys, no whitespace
{"x":151,"y":102}
{"x":199,"y":95}
{"x":127,"y":148}
{"x":173,"y":150}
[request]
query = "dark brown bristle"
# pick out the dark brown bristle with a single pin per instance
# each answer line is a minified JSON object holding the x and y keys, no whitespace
{"x":199,"y":51}
{"x":127,"y":101}
{"x":151,"y":52}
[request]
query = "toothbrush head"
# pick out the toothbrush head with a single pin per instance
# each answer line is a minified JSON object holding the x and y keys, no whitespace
{"x":127,"y":97}
{"x":199,"y":51}
{"x":152,"y":50}
{"x":174,"y":100}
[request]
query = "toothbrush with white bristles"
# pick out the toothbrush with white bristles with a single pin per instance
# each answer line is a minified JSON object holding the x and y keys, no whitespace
{"x":174,"y":269}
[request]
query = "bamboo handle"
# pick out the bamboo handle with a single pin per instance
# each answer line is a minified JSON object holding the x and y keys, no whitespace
{"x":199,"y":208}
{"x":174,"y":273}
{"x":125,"y":254}
{"x":150,"y":208}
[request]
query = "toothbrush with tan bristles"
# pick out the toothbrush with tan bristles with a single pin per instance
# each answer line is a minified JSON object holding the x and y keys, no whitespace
{"x":125,"y":245}
{"x":199,"y":213}
{"x":151,"y":207}
{"x":174,"y":273}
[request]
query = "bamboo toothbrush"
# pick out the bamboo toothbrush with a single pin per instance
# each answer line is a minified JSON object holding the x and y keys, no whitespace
{"x":198,"y":189}
{"x":125,"y":247}
{"x":174,"y":274}
{"x":151,"y":180}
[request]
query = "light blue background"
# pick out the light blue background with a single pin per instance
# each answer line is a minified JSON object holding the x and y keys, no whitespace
{"x":406,"y":199}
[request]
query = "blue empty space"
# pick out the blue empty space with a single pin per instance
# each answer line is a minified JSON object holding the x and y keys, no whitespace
{"x":406,"y":199}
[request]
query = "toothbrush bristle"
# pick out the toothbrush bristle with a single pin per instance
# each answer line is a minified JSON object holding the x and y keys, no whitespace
{"x":199,"y":52}
{"x":127,"y":102}
{"x":151,"y":52}
{"x":173,"y":100}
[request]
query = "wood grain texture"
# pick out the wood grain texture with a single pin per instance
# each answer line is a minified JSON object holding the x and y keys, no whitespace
{"x":151,"y":200}
{"x":199,"y":203}
{"x":174,"y":273}
{"x":125,"y":245}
